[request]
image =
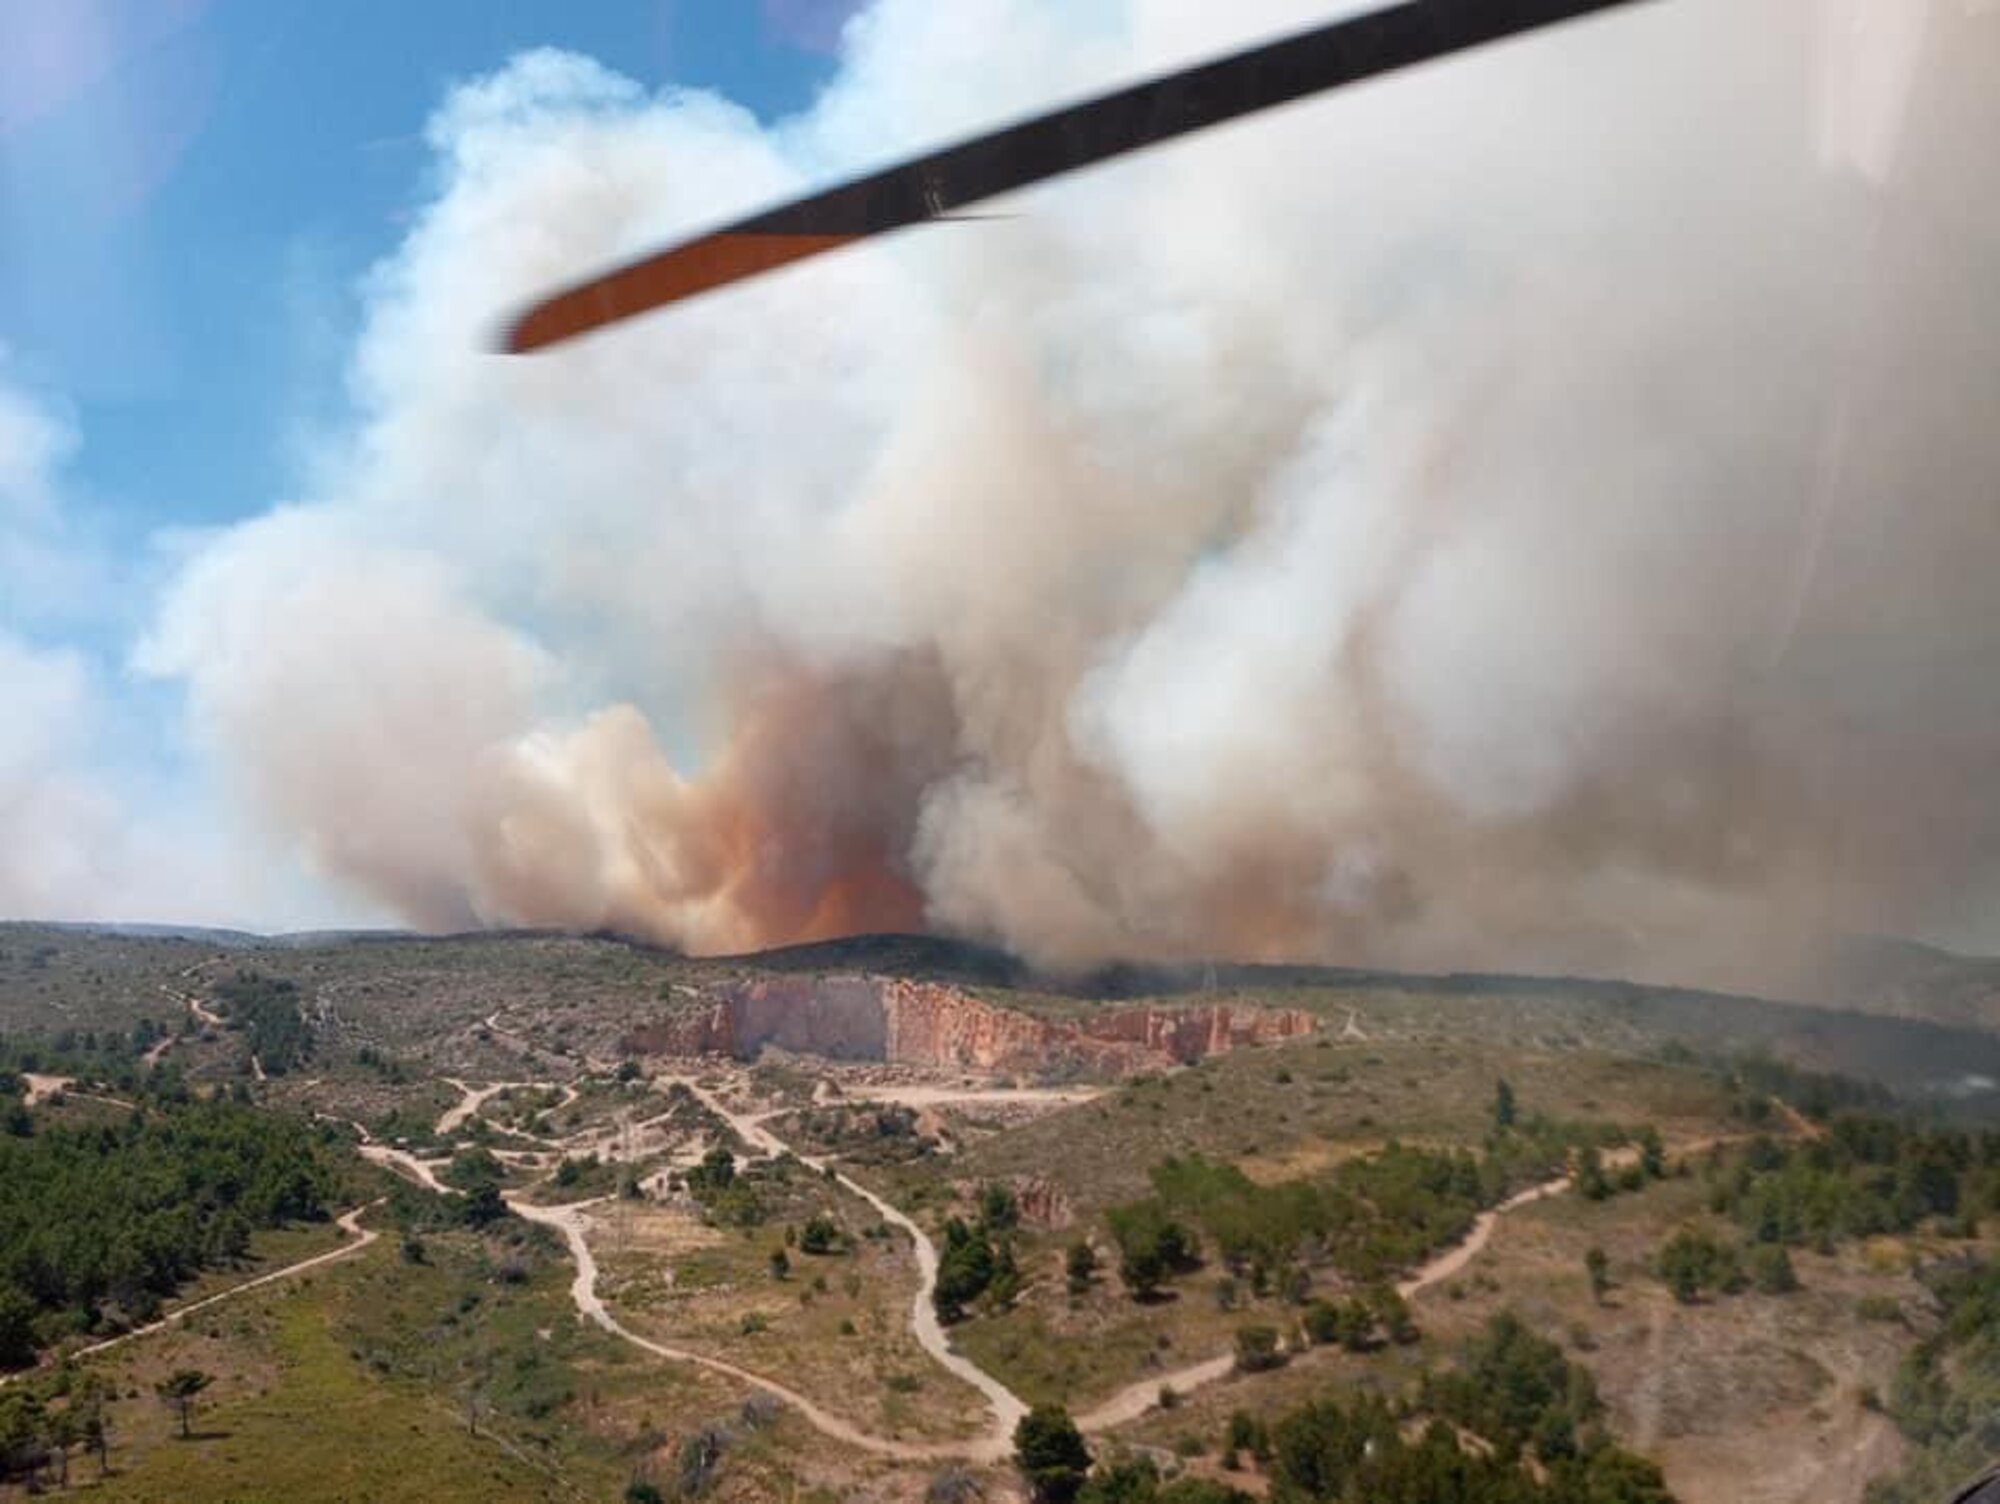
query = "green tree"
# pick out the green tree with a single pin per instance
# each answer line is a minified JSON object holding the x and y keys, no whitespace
{"x":1615,"y":1476}
{"x":1589,"y":1175}
{"x":1143,"y":1270}
{"x":1652,"y":1153}
{"x":17,"y":1328}
{"x":1393,"y":1313}
{"x":1691,"y":1262}
{"x":1771,"y":1271}
{"x":88,"y":1400}
{"x":999,"y":1211}
{"x":1505,"y":1109}
{"x":1049,"y":1451}
{"x":1151,"y":1245}
{"x":820,"y":1235}
{"x":65,"y":1433}
{"x":23,"y":1426}
{"x":1597,"y":1263}
{"x":1257,"y":1349}
{"x":966,"y":1266}
{"x":1080,"y":1264}
{"x":1247,"y":1434}
{"x":716,"y":1172}
{"x":178,"y":1390}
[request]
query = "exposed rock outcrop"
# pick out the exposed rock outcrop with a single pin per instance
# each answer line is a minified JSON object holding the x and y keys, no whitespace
{"x":934,"y":1024}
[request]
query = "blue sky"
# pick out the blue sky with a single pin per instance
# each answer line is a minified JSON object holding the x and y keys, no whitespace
{"x":190,"y":192}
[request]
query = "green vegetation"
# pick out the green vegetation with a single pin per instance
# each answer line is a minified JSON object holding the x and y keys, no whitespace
{"x":1597,"y":1264}
{"x":1151,"y":1246}
{"x":111,"y":1057}
{"x":1136,"y":1480}
{"x":178,"y":1391}
{"x":1946,"y":1395}
{"x":973,"y":1266}
{"x":1049,"y":1451}
{"x":99,"y":1224}
{"x":267,"y":1010}
{"x":1865,"y":1176}
{"x":1516,"y":1423}
{"x":821,"y":1235}
{"x":1758,"y":1080}
{"x":1692,"y":1264}
{"x":1770,"y":1270}
{"x":1361,"y":1323}
{"x":1329,"y":1451}
{"x":1079,"y":1266}
{"x":1257,"y":1349}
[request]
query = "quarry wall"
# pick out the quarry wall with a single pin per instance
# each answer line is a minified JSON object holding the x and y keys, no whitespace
{"x":936,"y":1024}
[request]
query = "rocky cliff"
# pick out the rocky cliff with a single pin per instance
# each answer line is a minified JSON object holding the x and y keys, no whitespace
{"x":935,"y":1024}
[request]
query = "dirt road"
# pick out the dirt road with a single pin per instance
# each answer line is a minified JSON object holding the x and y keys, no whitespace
{"x":348,"y":1222}
{"x":1134,"y":1400}
{"x":41,"y":1087}
{"x":474,"y":1098}
{"x":571,"y":1223}
{"x":1007,"y":1407}
{"x":973,"y":1096}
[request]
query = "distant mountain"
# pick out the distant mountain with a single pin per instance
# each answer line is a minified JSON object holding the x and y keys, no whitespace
{"x":1904,"y":979}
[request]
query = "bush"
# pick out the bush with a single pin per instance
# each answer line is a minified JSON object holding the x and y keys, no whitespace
{"x":821,"y":1235}
{"x":1050,"y":1452}
{"x":1080,"y":1264}
{"x":1257,"y":1349}
{"x":1691,"y":1263}
{"x":1771,"y":1271}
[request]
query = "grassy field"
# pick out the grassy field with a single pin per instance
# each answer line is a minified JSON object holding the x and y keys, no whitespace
{"x":357,"y":1383}
{"x":835,"y":1326}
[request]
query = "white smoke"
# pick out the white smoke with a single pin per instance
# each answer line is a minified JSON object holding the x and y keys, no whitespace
{"x":1360,"y":533}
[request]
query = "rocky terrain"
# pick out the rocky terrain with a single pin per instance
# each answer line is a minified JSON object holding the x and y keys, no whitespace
{"x":824,"y":1225}
{"x":936,"y":1024}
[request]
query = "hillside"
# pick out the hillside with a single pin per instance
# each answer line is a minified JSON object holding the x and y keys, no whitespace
{"x":824,"y":1223}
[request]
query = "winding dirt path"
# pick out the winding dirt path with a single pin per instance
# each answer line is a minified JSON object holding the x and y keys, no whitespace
{"x":41,"y":1087}
{"x":1007,"y":1406}
{"x":970,"y":1096}
{"x":474,"y":1098}
{"x":1134,"y":1400}
{"x":189,"y":1003}
{"x":348,"y":1222}
{"x":570,"y":1222}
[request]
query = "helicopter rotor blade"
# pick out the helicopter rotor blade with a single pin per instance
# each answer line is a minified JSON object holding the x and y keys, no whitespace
{"x":942,"y":183}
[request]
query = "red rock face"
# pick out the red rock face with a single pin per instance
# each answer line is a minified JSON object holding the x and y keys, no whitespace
{"x":933,"y":1024}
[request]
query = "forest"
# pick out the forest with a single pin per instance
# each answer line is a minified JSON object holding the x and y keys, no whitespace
{"x":1861,"y":1177}
{"x":1368,"y":1217}
{"x":1946,"y":1394}
{"x":99,"y":1224}
{"x":266,"y":1009}
{"x":1515,"y":1423}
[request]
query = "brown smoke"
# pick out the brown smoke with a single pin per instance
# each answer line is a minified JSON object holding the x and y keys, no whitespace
{"x":1534,"y":513}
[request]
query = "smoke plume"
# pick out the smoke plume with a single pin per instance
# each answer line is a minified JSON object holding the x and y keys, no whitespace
{"x":1537,"y":511}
